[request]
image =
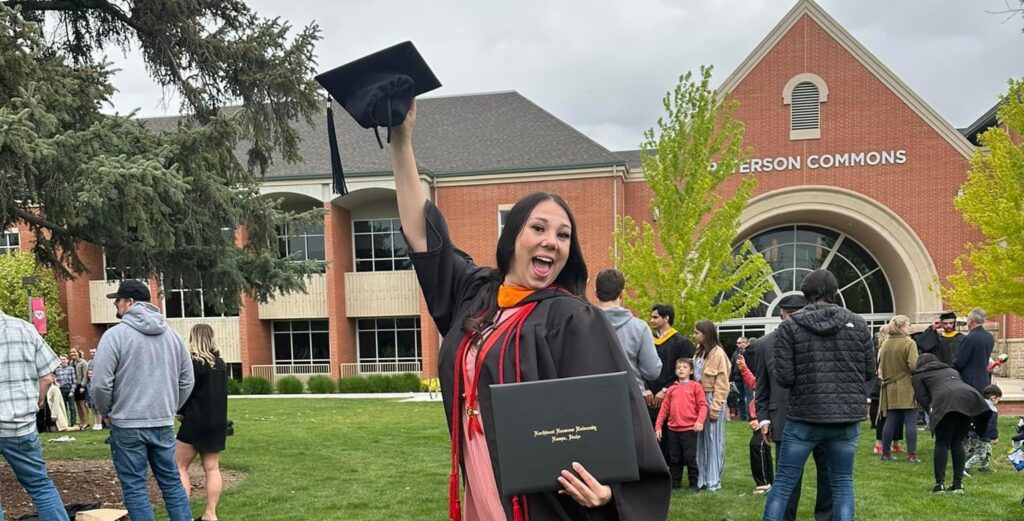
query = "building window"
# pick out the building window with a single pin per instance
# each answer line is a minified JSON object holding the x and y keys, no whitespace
{"x":180,"y":302}
{"x":384,"y":340}
{"x":503,"y":212}
{"x":380,"y":246}
{"x":794,"y":251}
{"x":10,"y":241}
{"x":804,"y":94}
{"x":301,"y":241}
{"x":301,"y":342}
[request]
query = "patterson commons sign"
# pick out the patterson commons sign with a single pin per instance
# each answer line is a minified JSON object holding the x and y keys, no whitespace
{"x":822,"y":161}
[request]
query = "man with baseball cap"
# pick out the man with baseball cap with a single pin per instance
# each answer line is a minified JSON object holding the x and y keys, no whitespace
{"x":142,"y":375}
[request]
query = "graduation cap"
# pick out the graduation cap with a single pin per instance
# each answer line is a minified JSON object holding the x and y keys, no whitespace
{"x":948,"y":315}
{"x":377,"y":91}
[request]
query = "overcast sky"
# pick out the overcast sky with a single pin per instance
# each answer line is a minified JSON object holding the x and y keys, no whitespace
{"x":603,"y":66}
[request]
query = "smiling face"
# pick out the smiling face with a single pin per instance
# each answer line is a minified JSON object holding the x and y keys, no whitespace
{"x":541,"y":248}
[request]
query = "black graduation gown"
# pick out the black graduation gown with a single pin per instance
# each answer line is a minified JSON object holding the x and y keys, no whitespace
{"x":675,"y":347}
{"x":563,"y":337}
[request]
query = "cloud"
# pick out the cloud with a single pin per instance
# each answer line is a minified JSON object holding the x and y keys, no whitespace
{"x":604,"y":66}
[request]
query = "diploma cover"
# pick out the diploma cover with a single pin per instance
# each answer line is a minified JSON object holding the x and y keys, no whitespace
{"x":541,"y":427}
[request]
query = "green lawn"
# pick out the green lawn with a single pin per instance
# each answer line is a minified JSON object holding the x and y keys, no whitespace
{"x":310,"y":459}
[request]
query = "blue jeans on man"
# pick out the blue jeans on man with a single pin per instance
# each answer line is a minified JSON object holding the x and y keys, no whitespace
{"x":798,"y":441}
{"x":25,"y":456}
{"x":135,"y":450}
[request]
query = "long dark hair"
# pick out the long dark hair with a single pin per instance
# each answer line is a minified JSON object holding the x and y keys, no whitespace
{"x":572,"y":278}
{"x":710,"y":332}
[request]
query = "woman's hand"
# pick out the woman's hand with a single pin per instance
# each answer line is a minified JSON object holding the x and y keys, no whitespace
{"x":586,"y":491}
{"x":404,"y":131}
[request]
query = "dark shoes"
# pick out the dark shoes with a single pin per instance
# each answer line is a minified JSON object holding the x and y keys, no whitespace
{"x":938,"y":488}
{"x":957,"y":488}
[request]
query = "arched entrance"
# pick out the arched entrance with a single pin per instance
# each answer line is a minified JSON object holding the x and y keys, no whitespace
{"x":881,"y":264}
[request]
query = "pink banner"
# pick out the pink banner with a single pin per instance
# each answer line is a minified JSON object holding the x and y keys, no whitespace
{"x":39,"y":314}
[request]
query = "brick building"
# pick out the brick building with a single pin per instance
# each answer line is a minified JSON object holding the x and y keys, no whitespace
{"x":856,"y":174}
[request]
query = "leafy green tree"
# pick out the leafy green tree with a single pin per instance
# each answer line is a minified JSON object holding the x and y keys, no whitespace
{"x":14,"y":299}
{"x":991,"y":274}
{"x":156,"y":199}
{"x":688,"y":259}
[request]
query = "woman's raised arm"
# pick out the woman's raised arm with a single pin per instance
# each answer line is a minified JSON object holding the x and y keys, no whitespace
{"x":407,"y":184}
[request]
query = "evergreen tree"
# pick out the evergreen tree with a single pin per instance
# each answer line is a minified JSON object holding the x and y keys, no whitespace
{"x":157,"y":200}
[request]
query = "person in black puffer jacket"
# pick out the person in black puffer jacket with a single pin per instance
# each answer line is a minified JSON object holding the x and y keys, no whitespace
{"x":825,"y":357}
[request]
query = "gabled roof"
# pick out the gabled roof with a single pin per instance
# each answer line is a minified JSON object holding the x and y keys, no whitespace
{"x":812,"y":10}
{"x":987,"y":120}
{"x":455,"y":135}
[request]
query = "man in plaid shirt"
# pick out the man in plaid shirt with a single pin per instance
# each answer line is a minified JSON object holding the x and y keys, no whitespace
{"x":25,"y":366}
{"x":66,"y":381}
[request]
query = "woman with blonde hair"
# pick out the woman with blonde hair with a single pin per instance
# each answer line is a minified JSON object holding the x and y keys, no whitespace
{"x":897,"y":359}
{"x":204,"y":417}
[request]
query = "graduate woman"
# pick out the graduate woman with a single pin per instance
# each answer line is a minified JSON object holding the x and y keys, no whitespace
{"x":524,"y":320}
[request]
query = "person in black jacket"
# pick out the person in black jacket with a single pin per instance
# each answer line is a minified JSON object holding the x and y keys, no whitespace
{"x":770,"y":401}
{"x":204,"y":417}
{"x":824,"y":356}
{"x":952,"y":404}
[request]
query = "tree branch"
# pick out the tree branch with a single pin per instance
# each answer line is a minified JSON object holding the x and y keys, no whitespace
{"x":31,"y":218}
{"x":71,"y":5}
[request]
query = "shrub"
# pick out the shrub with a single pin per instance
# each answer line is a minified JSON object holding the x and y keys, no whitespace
{"x":405,"y":383}
{"x":352,"y":384}
{"x":289,"y":385}
{"x":256,"y":385}
{"x":378,"y":383}
{"x":234,"y":386}
{"x":320,"y":384}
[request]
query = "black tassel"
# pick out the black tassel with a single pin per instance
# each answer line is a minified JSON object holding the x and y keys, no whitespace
{"x":337,"y":172}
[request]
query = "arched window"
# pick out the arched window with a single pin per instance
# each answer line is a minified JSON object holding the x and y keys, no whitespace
{"x":804,"y":94}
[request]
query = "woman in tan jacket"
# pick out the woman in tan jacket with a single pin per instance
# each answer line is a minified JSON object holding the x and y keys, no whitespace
{"x":711,"y":369}
{"x":897,"y":359}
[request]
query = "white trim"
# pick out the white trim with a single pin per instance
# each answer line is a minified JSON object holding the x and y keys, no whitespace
{"x":809,"y":77}
{"x":525,"y":177}
{"x":807,"y":133}
{"x":859,"y":52}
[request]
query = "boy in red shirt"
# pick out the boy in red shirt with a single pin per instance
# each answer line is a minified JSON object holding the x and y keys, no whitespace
{"x":686,"y":408}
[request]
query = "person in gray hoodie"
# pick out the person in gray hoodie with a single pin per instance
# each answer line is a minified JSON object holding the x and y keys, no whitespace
{"x":142,"y":375}
{"x":635,"y":337}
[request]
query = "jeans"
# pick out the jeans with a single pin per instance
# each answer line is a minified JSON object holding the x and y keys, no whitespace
{"x":135,"y":449}
{"x":798,"y":441}
{"x":68,"y":393}
{"x":905,"y":417}
{"x":25,"y":456}
{"x":743,"y":405}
